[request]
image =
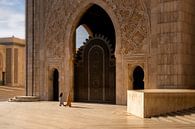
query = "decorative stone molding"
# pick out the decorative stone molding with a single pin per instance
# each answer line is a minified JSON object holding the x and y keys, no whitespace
{"x":132,"y":16}
{"x":57,"y":14}
{"x":135,"y":23}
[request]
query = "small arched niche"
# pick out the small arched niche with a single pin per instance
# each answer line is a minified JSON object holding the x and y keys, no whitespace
{"x":138,"y":78}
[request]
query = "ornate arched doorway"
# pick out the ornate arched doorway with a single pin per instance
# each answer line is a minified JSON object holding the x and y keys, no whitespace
{"x":94,"y":70}
{"x":55,"y":85}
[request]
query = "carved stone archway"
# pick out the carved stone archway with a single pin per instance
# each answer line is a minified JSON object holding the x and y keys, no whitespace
{"x":131,"y":23}
{"x":71,"y":26}
{"x":55,"y":38}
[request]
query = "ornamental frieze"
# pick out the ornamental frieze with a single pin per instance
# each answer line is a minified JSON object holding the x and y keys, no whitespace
{"x":57,"y":14}
{"x":134,"y":23}
{"x":132,"y":16}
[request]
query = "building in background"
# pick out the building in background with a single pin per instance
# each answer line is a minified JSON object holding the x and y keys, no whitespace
{"x":12,"y":61}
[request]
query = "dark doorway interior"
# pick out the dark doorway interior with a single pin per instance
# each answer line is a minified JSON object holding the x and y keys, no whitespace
{"x":138,"y":77}
{"x":55,"y":85}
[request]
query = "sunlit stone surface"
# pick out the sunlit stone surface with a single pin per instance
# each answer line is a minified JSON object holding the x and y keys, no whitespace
{"x":49,"y":115}
{"x":153,"y":102}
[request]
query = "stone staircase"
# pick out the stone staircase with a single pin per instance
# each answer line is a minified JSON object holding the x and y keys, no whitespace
{"x":7,"y":92}
{"x":182,"y":117}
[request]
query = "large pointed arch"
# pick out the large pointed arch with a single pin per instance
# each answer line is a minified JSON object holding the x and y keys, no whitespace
{"x":70,"y":34}
{"x":80,"y":11}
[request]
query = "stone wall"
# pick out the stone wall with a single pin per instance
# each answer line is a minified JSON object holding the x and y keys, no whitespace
{"x":12,"y":61}
{"x":29,"y":49}
{"x":9,"y":68}
{"x":21,"y":66}
{"x":171,"y":44}
{"x":15,"y":65}
{"x":186,"y":47}
{"x":2,"y":60}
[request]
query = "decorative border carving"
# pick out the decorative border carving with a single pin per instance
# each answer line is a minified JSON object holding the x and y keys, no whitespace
{"x":132,"y":16}
{"x":134,"y":19}
{"x":57,"y":14}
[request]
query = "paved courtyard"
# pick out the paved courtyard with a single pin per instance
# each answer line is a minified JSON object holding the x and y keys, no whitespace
{"x":49,"y":115}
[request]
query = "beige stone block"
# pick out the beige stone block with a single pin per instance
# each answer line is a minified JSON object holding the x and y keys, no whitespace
{"x":170,"y":27}
{"x":155,"y":5}
{"x":175,"y":37}
{"x":178,"y":69}
{"x":147,"y":103}
{"x":175,"y":79}
{"x":187,"y":7}
{"x":181,"y":81}
{"x":164,"y":70}
{"x":134,"y":99}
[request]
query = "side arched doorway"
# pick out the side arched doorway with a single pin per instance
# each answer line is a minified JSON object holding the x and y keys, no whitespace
{"x":55,"y":85}
{"x":94,"y":70}
{"x":138,"y":78}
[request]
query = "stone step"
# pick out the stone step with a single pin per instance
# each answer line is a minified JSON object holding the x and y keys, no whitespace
{"x":186,"y":116}
{"x":164,"y":118}
{"x":190,"y":118}
{"x":154,"y":119}
{"x":183,"y":117}
{"x":24,"y":99}
{"x":177,"y":120}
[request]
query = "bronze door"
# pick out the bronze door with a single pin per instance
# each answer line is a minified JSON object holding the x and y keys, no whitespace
{"x":95,"y":72}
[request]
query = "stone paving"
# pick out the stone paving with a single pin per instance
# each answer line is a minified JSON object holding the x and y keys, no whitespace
{"x":49,"y":115}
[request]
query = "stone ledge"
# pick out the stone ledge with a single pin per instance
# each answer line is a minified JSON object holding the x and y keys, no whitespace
{"x":24,"y":99}
{"x":153,"y":102}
